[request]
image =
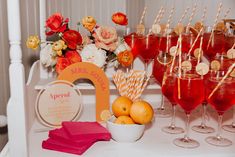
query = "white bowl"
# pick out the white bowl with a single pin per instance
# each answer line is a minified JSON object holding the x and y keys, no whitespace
{"x":125,"y":132}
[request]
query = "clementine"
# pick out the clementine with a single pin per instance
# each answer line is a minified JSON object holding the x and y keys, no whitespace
{"x":124,"y":120}
{"x":121,"y":106}
{"x":141,"y":112}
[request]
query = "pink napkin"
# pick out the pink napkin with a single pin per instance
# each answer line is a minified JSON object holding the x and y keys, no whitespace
{"x":76,"y":137}
{"x":85,"y":130}
{"x":55,"y":145}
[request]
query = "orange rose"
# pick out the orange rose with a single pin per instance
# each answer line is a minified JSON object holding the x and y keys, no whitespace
{"x":89,"y":23}
{"x":125,"y":58}
{"x":120,"y":19}
{"x":73,"y":56}
{"x":61,"y":64}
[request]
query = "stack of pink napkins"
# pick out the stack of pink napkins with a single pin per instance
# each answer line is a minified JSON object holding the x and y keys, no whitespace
{"x":76,"y":137}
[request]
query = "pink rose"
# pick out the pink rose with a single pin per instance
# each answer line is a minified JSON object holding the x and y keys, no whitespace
{"x":106,"y":38}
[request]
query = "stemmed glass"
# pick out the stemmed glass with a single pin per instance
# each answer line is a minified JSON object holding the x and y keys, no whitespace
{"x":168,"y":84}
{"x":221,"y":95}
{"x":162,"y":61}
{"x":149,"y":49}
{"x":214,"y":46}
{"x":203,"y":128}
{"x":231,"y":127}
{"x":189,"y":93}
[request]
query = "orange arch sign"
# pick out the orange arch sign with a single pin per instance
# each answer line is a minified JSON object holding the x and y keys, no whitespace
{"x":97,"y":76}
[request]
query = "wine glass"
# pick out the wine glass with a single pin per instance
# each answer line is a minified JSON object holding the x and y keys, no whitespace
{"x":189,"y":93}
{"x":231,"y":127}
{"x":168,"y":84}
{"x":213,"y":43}
{"x":221,"y":96}
{"x":149,"y":49}
{"x":203,"y":127}
{"x":162,"y":61}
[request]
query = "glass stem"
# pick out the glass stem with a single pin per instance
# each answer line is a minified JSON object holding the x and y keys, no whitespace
{"x":186,"y":136}
{"x":220,"y":118}
{"x":162,"y":102}
{"x":203,"y":124}
{"x":146,"y":66}
{"x":173,"y":116}
{"x":233,"y":123}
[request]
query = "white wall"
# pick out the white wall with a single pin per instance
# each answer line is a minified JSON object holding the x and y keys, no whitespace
{"x":4,"y":64}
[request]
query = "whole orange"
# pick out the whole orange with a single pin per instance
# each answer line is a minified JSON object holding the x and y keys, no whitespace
{"x":124,"y":120}
{"x":121,"y":106}
{"x":141,"y":112}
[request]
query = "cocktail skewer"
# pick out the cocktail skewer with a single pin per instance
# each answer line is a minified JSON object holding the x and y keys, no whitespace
{"x":216,"y":20}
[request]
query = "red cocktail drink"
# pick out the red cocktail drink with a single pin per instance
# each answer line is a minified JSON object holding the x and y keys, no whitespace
{"x":148,"y":47}
{"x":166,"y":42}
{"x":187,"y":42}
{"x":215,"y":46}
{"x":134,"y":40}
{"x":189,"y":92}
{"x":221,"y":95}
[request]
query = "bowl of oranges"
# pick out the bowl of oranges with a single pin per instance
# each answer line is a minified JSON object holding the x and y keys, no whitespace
{"x":129,"y":118}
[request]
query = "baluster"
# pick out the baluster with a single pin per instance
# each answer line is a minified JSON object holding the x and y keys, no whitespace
{"x":16,"y":105}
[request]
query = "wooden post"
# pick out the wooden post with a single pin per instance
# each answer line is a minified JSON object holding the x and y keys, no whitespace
{"x":16,"y":105}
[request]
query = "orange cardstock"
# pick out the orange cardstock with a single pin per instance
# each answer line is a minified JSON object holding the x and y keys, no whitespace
{"x":84,"y":70}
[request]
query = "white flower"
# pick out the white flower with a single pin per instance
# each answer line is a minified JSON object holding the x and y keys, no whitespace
{"x":122,"y":47}
{"x":92,"y":54}
{"x":47,"y":56}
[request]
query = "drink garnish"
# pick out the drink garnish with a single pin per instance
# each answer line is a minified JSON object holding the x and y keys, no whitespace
{"x":173,"y":51}
{"x":105,"y":115}
{"x":230,"y":69}
{"x":232,"y":74}
{"x":156,"y":28}
{"x":231,"y":53}
{"x":179,"y":29}
{"x":186,"y":66}
{"x":215,"y":65}
{"x":198,"y":26}
{"x":202,"y":68}
{"x":196,"y":52}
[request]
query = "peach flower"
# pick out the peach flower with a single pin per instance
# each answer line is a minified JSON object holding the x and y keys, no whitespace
{"x":106,"y":38}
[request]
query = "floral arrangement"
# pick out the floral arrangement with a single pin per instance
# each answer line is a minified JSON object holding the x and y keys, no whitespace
{"x":65,"y":46}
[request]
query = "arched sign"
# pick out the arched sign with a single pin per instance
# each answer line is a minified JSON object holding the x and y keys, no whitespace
{"x":84,"y":70}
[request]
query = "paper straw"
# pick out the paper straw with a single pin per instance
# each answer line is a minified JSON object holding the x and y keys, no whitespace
{"x":204,"y":14}
{"x":143,"y":15}
{"x":161,"y":15}
{"x":221,"y":81}
{"x":138,"y":85}
{"x":195,"y":41}
{"x":184,"y":14}
{"x":175,"y":54}
{"x":156,"y":19}
{"x":158,"y":15}
{"x":216,"y":20}
{"x":191,"y":16}
{"x":180,"y":54}
{"x":169,"y":19}
{"x":140,"y":90}
{"x":227,"y":12}
{"x":200,"y":51}
{"x":233,"y":46}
